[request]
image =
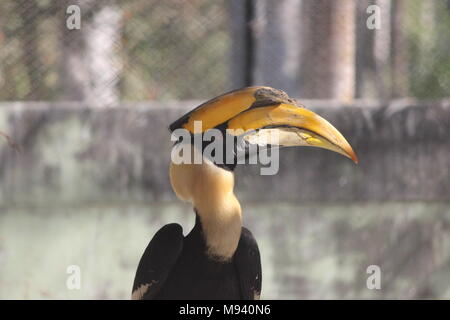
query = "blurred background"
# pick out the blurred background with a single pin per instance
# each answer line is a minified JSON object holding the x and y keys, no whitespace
{"x":84,"y":174}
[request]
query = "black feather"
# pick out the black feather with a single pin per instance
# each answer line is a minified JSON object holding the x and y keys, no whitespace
{"x":248,"y":264}
{"x":158,"y":260}
{"x":177,"y":268}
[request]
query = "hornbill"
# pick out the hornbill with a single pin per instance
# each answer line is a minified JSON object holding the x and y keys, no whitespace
{"x":219,"y":259}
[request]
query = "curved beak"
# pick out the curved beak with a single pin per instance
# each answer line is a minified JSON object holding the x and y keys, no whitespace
{"x":264,"y":115}
{"x":289,"y":125}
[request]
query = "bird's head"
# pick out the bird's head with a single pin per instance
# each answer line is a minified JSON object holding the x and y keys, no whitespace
{"x":221,"y":133}
{"x":254,"y":116}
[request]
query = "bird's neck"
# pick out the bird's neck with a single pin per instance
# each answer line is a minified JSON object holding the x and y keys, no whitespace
{"x":210,"y":189}
{"x":218,"y":209}
{"x":221,"y":222}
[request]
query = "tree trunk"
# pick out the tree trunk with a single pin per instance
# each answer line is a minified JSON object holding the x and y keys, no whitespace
{"x":74,"y":79}
{"x":242,"y":48}
{"x":399,"y":56}
{"x":277,"y":44}
{"x":28,"y":13}
{"x":328,"y":56}
{"x":382,"y":50}
{"x":365,"y":64}
{"x":90,"y":67}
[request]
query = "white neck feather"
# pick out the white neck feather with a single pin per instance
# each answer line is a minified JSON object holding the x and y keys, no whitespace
{"x":222,"y":227}
{"x":210,"y":189}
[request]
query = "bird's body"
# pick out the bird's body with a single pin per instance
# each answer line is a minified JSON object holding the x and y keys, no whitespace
{"x":193,"y":274}
{"x":219,"y":259}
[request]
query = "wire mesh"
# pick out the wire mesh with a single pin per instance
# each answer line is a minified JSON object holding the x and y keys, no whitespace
{"x":155,"y":50}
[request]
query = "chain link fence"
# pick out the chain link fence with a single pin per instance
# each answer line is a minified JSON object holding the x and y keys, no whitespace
{"x":167,"y":50}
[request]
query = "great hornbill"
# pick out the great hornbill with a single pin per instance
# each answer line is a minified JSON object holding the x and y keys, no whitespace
{"x":219,"y":259}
